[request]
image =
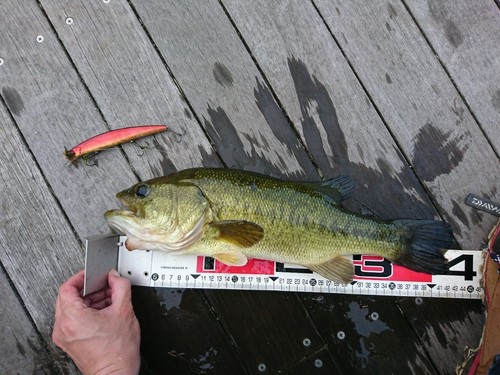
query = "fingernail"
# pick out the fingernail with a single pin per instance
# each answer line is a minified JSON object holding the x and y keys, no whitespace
{"x":114,"y":272}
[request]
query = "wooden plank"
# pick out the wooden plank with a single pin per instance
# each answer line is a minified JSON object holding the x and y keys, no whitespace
{"x":443,"y":154}
{"x":249,"y":131}
{"x":54,"y":111}
{"x":317,"y":363}
{"x":421,"y":107}
{"x":319,"y":80}
{"x":264,"y":326}
{"x":293,"y":35}
{"x":120,"y":21}
{"x":466,"y":37}
{"x":367,"y":336}
{"x":37,"y":246}
{"x":129,"y":82}
{"x":104,"y":43}
{"x":445,"y":332}
{"x":178,"y":336}
{"x":328,"y":106}
{"x":20,"y":343}
{"x":224,"y":87}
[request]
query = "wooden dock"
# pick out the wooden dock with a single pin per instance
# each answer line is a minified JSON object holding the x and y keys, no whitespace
{"x":404,"y":96}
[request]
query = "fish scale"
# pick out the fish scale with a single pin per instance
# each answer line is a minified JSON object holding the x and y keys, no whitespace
{"x":290,"y":229}
{"x":235,"y":215}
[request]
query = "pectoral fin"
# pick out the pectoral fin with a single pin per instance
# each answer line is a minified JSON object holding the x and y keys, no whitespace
{"x":339,"y":269}
{"x":239,"y":232}
{"x":232,"y":259}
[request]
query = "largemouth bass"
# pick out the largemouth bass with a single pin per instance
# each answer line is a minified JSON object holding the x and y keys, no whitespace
{"x":234,"y":215}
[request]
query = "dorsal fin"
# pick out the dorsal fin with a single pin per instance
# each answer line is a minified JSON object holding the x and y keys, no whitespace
{"x":338,"y":189}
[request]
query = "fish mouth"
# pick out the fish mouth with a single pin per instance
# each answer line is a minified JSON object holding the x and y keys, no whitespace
{"x":121,"y":220}
{"x":129,"y":210}
{"x":125,"y":221}
{"x":138,"y":237}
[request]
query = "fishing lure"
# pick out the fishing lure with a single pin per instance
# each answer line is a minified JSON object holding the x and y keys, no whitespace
{"x":110,"y":139}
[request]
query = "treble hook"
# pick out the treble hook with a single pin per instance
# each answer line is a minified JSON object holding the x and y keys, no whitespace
{"x":91,"y":159}
{"x":178,"y":136}
{"x":142,"y":147}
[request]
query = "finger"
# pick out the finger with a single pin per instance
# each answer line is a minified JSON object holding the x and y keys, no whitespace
{"x":57,"y":321}
{"x":55,"y":328}
{"x":77,"y":280}
{"x":108,"y":292}
{"x":95,"y":297}
{"x":120,"y":290}
{"x":99,"y":305}
{"x":57,"y":308}
{"x":70,"y":290}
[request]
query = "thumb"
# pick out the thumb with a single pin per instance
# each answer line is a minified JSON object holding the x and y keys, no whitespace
{"x":121,"y":293}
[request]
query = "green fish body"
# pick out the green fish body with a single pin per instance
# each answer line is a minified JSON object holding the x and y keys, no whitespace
{"x":234,"y":215}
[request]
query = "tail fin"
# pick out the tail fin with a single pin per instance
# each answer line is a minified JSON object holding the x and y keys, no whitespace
{"x":427,"y":241}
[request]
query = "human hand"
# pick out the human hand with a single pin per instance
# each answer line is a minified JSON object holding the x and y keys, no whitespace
{"x":99,"y":332}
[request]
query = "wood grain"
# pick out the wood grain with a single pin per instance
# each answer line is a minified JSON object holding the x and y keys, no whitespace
{"x":181,"y":335}
{"x":20,"y":343}
{"x":250,"y":132}
{"x":54,"y":111}
{"x":130,"y":85}
{"x":129,"y":82}
{"x":262,"y":324}
{"x":37,"y":246}
{"x":294,"y":29}
{"x":361,"y":344}
{"x":466,"y":38}
{"x":319,"y":362}
{"x":445,"y":328}
{"x":224,"y":87}
{"x":288,"y":89}
{"x":421,"y":107}
{"x":328,"y":106}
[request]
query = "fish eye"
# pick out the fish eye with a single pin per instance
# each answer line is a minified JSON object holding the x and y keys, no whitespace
{"x":142,"y":191}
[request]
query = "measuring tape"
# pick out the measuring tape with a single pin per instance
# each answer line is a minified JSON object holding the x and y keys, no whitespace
{"x":374,"y":275}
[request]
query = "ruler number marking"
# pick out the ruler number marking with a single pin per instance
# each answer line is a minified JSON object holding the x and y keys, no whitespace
{"x":366,"y":267}
{"x":376,"y":271}
{"x":468,"y":273}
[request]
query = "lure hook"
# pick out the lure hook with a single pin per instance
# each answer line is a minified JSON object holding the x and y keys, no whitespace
{"x":178,"y":136}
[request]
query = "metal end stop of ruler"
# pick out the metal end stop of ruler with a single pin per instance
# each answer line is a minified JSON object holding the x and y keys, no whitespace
{"x":101,"y":256}
{"x":105,"y":252}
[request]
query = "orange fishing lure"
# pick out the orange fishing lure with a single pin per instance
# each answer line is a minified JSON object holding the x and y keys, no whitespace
{"x":110,"y":139}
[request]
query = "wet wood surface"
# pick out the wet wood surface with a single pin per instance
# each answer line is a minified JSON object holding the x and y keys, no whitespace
{"x":432,"y":122}
{"x":402,"y":96}
{"x":465,"y":37}
{"x":22,"y":348}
